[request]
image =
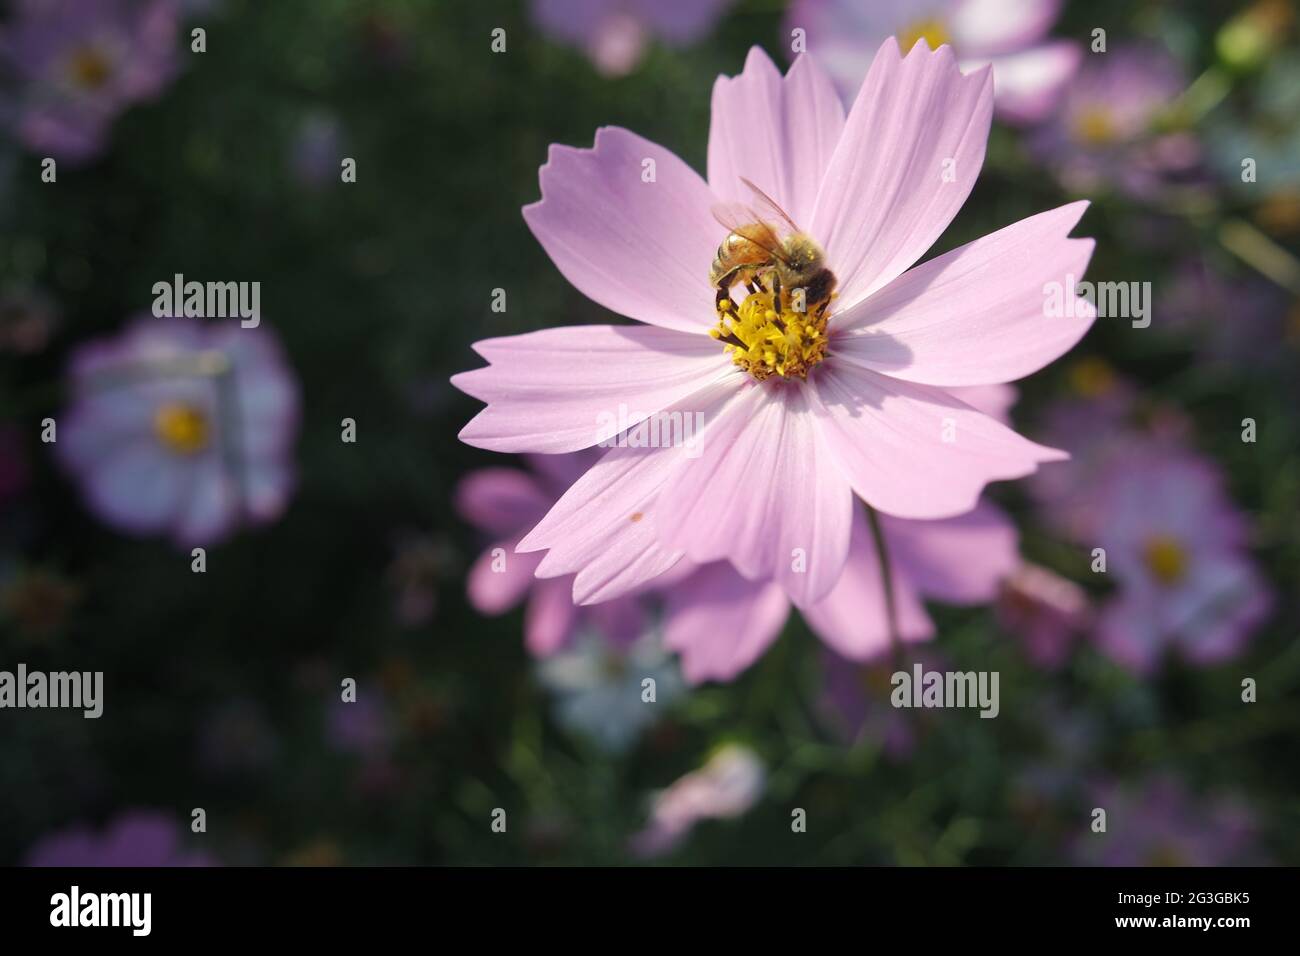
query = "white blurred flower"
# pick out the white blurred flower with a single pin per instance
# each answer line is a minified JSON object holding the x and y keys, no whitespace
{"x":598,"y":687}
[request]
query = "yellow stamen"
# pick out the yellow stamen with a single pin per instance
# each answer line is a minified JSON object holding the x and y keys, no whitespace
{"x":766,"y":338}
{"x":1165,"y":558}
{"x":1094,"y":126}
{"x":90,"y":68}
{"x":929,"y":29}
{"x":181,"y":428}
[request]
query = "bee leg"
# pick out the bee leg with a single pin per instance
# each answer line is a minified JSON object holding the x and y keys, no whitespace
{"x":723,"y":295}
{"x":776,"y":290}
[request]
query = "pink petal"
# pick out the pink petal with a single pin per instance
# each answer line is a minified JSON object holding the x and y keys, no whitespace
{"x":562,"y":389}
{"x":1129,"y":632}
{"x":995,"y":401}
{"x":604,"y":528}
{"x":495,"y":592}
{"x":550,"y":617}
{"x":976,"y":315}
{"x":889,"y":436}
{"x":992,"y":27}
{"x":885,"y":199}
{"x":854,"y":619}
{"x":641,"y":249}
{"x":622,"y":622}
{"x":959,"y":560}
{"x":765,"y":494}
{"x":778,"y":133}
{"x":500,"y":500}
{"x":1027,"y":86}
{"x":720,"y":622}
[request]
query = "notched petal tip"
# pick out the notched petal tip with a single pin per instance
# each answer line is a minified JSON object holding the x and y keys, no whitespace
{"x":757,"y":59}
{"x":890,"y":48}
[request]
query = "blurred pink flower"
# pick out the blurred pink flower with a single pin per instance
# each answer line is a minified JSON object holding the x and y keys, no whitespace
{"x":1176,"y":545}
{"x":137,"y":838}
{"x":505,"y":503}
{"x":728,"y":784}
{"x":614,"y":34}
{"x":1092,"y":426}
{"x":1045,"y":611}
{"x":1029,"y":71}
{"x":1104,"y":133}
{"x":1159,"y":823}
{"x":79,"y":63}
{"x":780,"y":458}
{"x":182,"y":428}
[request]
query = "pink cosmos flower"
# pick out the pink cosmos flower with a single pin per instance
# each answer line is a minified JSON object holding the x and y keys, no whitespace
{"x":615,"y":33}
{"x":1177,"y":546}
{"x":806,"y":411}
{"x":182,"y":427}
{"x":1029,"y":71}
{"x":78,"y":64}
{"x":505,"y":503}
{"x":721,"y":623}
{"x":1104,"y":132}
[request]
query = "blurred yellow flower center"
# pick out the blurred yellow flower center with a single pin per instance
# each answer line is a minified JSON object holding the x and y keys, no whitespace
{"x":181,"y":428}
{"x":1165,"y":558}
{"x":1091,"y":377}
{"x":90,"y":68}
{"x":1094,"y":126}
{"x":929,"y":29}
{"x":766,"y":338}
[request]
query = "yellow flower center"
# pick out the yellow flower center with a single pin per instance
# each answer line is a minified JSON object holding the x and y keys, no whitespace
{"x":766,"y":338}
{"x":181,"y":428}
{"x":1095,"y":126}
{"x":90,"y":68}
{"x":929,"y":29}
{"x":1091,"y":377}
{"x":1165,"y":558}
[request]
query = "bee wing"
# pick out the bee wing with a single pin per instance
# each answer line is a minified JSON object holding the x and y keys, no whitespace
{"x":745,"y":221}
{"x":769,"y":207}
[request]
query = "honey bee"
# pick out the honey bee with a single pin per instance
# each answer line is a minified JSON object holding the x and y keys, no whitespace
{"x":763,"y":242}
